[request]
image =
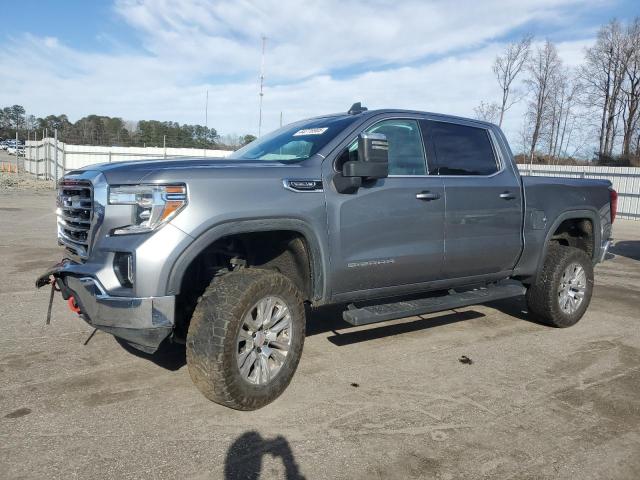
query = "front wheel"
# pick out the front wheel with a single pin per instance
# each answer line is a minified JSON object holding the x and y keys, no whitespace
{"x":563,"y":289}
{"x":246,"y":337}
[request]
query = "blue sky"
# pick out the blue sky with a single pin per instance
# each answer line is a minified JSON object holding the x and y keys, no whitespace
{"x":86,"y":25}
{"x":155,"y":59}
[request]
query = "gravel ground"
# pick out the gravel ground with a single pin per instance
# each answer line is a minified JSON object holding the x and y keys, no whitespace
{"x":20,"y":181}
{"x":23,"y":182}
{"x":387,"y":401}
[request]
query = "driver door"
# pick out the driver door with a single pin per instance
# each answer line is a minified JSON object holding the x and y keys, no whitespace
{"x":387,"y":237}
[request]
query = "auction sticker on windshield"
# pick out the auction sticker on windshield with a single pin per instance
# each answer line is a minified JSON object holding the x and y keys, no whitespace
{"x":310,"y":131}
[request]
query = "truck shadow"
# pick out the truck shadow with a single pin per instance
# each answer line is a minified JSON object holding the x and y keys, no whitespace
{"x":244,"y":457}
{"x":629,"y":249}
{"x":388,"y":330}
{"x":172,"y":356}
{"x":332,"y":321}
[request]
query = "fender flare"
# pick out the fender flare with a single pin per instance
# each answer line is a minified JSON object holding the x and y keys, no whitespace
{"x":317,"y":258}
{"x":589,"y":214}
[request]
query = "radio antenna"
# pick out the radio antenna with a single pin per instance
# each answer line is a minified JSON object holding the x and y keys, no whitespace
{"x":264,"y":41}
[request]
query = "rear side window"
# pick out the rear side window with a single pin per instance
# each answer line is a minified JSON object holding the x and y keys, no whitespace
{"x":462,"y":150}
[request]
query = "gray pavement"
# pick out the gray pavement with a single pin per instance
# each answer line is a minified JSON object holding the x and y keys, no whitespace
{"x":385,"y":401}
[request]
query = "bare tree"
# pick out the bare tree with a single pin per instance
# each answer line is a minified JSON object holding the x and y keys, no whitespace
{"x":487,"y":112}
{"x":631,"y":88}
{"x":569,"y":115}
{"x":559,"y":119}
{"x":524,"y":141}
{"x":603,"y":73}
{"x":543,"y":68}
{"x":555,"y":110}
{"x":507,"y":67}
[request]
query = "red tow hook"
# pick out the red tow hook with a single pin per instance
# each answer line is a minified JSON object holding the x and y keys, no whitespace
{"x":73,"y":306}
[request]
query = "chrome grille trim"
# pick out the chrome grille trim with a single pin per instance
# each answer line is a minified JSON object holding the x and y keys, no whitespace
{"x":75,"y":215}
{"x":71,"y":219}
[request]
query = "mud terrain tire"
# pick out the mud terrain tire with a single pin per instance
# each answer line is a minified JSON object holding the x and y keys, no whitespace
{"x":545,"y":297}
{"x":212,"y":339}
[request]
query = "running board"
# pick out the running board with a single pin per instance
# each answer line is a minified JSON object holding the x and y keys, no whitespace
{"x":390,"y":311}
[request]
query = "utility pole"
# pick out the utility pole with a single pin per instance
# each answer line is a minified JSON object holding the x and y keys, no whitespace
{"x":280,"y":119}
{"x":264,"y":41}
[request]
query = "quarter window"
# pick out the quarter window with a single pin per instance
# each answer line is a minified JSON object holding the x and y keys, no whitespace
{"x":462,"y":150}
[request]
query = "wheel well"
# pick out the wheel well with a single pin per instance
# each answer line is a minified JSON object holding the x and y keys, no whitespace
{"x":282,"y":250}
{"x":575,"y":232}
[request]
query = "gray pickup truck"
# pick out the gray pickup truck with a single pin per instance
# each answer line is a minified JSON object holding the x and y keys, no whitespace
{"x":390,"y":213}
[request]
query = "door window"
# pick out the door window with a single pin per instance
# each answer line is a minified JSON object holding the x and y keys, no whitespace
{"x":462,"y":150}
{"x":406,"y":151}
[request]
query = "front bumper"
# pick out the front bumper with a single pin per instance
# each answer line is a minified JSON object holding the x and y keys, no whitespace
{"x":142,"y":322}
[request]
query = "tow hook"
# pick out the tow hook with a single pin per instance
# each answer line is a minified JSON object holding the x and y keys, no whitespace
{"x":58,"y":286}
{"x":50,"y":280}
{"x":54,"y":277}
{"x":73,"y":306}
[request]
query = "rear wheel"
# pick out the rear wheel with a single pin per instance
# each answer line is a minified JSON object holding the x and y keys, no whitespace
{"x":246,"y":337}
{"x":563,"y":289}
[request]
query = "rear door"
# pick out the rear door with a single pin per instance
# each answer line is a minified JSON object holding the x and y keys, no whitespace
{"x":483,"y":199}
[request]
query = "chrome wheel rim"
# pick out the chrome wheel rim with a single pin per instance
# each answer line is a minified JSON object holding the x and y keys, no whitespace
{"x":573,"y":285}
{"x":264,"y":340}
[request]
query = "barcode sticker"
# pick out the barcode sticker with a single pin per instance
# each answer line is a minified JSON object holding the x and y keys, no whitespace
{"x":310,"y":131}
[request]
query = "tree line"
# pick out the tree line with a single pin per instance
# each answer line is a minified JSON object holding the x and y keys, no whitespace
{"x":114,"y":131}
{"x":590,"y":112}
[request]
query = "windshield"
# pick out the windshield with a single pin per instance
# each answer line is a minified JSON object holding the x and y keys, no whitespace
{"x":294,"y":142}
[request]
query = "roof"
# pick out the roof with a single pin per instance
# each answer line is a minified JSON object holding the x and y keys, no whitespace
{"x":370,"y":113}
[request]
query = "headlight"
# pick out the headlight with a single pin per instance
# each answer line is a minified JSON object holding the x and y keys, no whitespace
{"x":153,"y":205}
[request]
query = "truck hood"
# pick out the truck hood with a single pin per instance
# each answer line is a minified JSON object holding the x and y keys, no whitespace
{"x":150,"y":170}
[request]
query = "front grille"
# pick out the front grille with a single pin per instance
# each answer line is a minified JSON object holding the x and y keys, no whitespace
{"x":75,"y":215}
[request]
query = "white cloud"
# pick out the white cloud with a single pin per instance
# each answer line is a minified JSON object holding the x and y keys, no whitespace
{"x":433,"y":56}
{"x":50,"y":42}
{"x":314,"y":37}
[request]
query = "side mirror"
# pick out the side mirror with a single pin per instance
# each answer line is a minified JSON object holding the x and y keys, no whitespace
{"x":372,"y":163}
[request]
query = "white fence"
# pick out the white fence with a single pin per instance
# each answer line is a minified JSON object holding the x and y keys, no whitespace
{"x":626,"y":181}
{"x":50,"y":160}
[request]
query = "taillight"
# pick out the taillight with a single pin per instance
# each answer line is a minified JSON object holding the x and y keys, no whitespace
{"x":613,"y":200}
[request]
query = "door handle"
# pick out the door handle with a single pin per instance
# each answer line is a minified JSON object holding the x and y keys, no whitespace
{"x":427,"y":196}
{"x":507,"y":196}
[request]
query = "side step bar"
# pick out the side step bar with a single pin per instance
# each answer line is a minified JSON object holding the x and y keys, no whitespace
{"x":390,"y":311}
